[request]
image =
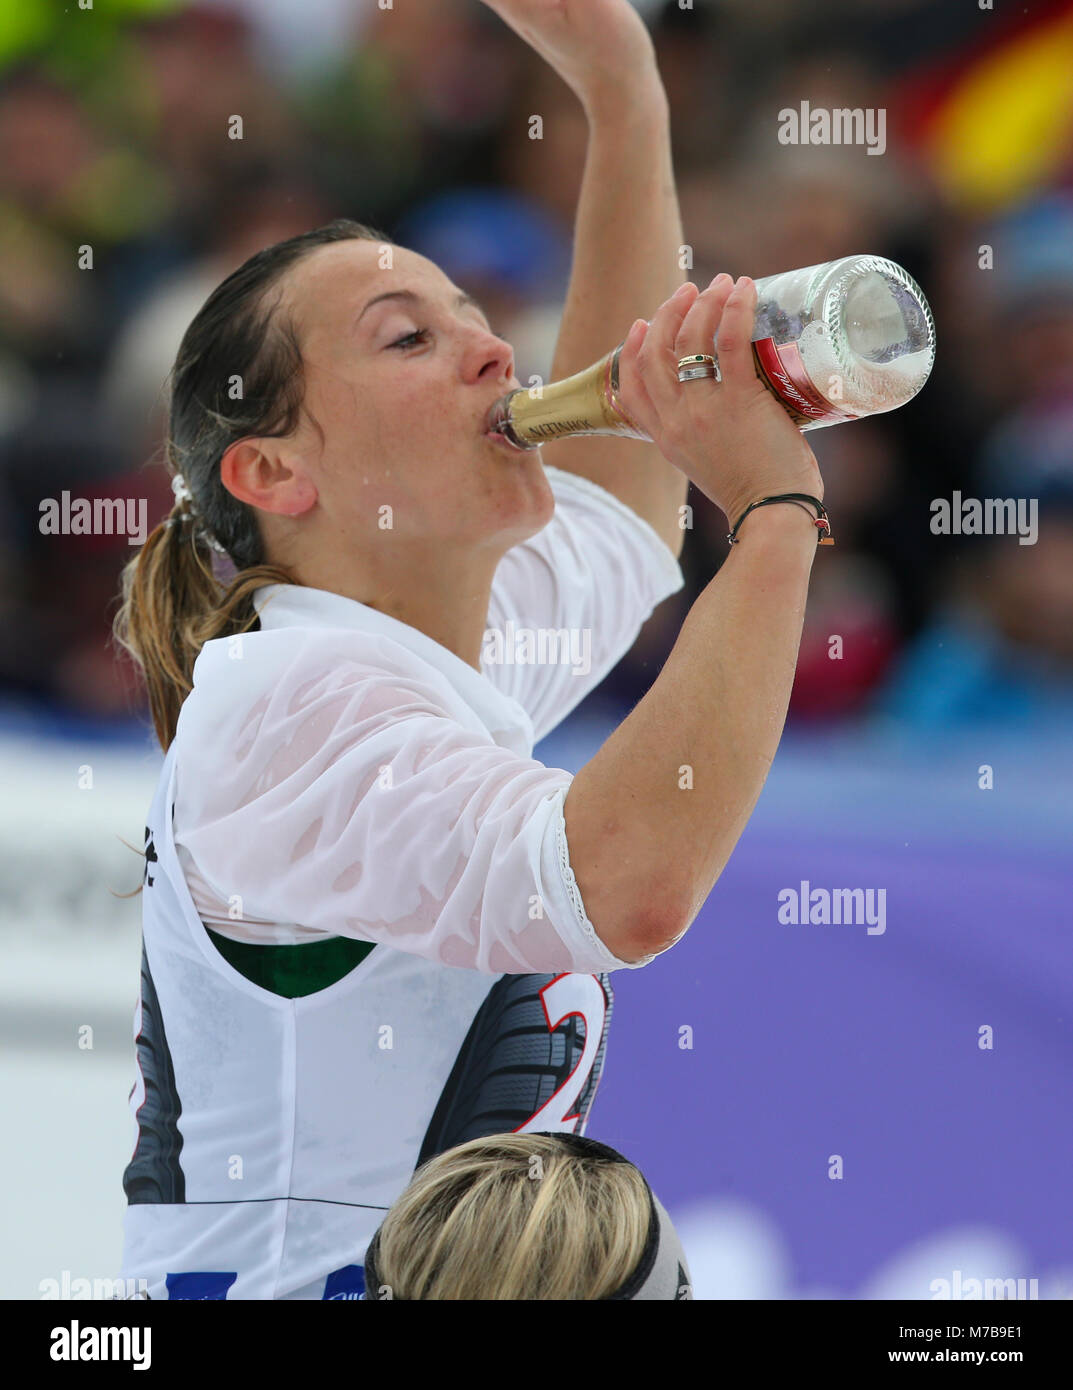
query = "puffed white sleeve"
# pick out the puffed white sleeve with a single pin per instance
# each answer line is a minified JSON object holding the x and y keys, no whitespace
{"x":568,"y":603}
{"x":349,"y":800}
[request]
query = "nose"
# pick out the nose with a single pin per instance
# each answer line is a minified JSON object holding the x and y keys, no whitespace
{"x":488,"y":358}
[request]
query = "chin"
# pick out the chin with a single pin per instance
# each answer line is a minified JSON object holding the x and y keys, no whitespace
{"x":541,"y":494}
{"x":529,"y":503}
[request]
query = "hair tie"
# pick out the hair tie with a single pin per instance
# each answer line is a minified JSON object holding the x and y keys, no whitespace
{"x":182,"y":494}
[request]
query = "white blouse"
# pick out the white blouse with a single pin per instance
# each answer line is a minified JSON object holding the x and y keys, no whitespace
{"x":340,"y":773}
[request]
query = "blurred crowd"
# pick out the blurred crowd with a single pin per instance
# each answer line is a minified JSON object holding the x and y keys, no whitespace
{"x":414,"y":119}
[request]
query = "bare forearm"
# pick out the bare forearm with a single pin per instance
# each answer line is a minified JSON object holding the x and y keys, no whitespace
{"x":627,"y":231}
{"x":627,"y":237}
{"x":653,"y":818}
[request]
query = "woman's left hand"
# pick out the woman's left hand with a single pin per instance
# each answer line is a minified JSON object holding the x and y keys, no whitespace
{"x":600,"y":48}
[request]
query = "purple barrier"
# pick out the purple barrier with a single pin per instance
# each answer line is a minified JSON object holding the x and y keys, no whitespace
{"x":750,"y":1059}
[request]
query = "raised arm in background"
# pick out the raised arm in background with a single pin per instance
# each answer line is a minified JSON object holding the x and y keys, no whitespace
{"x":627,"y":231}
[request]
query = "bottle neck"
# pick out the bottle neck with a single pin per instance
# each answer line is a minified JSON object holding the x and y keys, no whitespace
{"x":585,"y":403}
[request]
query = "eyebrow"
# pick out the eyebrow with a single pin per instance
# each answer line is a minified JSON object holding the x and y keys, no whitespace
{"x":462,"y":301}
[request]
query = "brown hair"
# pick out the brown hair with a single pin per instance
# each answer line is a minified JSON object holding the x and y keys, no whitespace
{"x":173,"y":601}
{"x":514,"y":1216}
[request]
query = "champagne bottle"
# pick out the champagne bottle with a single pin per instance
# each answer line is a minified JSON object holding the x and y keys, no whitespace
{"x":831,"y":342}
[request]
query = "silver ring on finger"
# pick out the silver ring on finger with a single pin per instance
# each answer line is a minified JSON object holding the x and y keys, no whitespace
{"x":698,"y":366}
{"x":705,"y":372}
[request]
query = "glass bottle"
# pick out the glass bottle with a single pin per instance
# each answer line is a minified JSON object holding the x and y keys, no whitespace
{"x":832,"y":342}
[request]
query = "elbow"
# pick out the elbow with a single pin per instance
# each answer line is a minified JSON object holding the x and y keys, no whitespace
{"x":650,"y":933}
{"x":665,"y":934}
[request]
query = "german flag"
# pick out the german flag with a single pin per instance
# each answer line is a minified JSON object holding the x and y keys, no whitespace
{"x":994,"y":122}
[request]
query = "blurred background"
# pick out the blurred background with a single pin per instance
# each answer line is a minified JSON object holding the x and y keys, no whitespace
{"x":932,"y":760}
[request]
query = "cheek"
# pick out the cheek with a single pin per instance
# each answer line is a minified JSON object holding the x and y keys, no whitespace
{"x":363,"y":424}
{"x":398,"y":438}
{"x":407,"y":409}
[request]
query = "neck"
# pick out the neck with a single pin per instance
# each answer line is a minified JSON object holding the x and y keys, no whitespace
{"x":445,"y":597}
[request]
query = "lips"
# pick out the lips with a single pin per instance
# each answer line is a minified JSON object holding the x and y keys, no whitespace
{"x":502,"y":440}
{"x":497,"y":414}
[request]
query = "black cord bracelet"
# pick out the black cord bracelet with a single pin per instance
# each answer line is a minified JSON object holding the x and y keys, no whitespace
{"x":822,"y":521}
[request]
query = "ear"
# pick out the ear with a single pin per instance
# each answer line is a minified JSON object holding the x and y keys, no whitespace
{"x":257,"y":472}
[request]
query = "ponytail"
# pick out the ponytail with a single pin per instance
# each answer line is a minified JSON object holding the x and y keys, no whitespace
{"x":173,"y":603}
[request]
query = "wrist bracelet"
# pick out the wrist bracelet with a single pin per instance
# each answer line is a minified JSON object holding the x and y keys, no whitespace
{"x":821,"y":521}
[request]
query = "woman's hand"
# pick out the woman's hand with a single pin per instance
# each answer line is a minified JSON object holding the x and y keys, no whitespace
{"x":600,"y":48}
{"x":730,"y":437}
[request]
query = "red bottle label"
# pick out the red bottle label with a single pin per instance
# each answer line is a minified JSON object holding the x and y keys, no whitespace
{"x":787,"y":377}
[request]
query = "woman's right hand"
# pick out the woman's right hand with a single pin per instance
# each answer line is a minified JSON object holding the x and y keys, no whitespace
{"x":731,"y":438}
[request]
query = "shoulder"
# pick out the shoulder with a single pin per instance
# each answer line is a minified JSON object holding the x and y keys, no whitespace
{"x":278,"y":679}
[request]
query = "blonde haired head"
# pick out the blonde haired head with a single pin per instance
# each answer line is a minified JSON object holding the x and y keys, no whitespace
{"x":515,"y":1216}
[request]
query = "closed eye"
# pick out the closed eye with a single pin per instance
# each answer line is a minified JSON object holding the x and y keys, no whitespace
{"x":420,"y":335}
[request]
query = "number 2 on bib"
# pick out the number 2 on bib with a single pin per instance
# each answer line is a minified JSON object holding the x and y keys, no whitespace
{"x":566,"y":995}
